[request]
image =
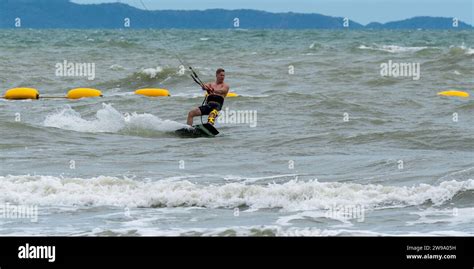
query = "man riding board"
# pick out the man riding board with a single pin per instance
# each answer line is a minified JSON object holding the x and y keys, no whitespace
{"x":216,"y":91}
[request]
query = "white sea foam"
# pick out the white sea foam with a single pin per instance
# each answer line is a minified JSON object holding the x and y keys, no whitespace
{"x":116,"y":67}
{"x":392,"y":48}
{"x":108,"y":119}
{"x":152,"y":72}
{"x":453,"y":216}
{"x":146,"y":229}
{"x":467,"y":50}
{"x":314,"y":44}
{"x":289,"y":196}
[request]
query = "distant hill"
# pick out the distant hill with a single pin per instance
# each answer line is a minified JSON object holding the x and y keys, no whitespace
{"x":419,"y":22}
{"x":64,"y":14}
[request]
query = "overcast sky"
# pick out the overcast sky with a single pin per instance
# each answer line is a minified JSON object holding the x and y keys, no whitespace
{"x":362,"y":11}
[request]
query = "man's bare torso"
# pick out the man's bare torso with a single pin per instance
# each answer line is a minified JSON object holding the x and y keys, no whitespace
{"x":219,"y":89}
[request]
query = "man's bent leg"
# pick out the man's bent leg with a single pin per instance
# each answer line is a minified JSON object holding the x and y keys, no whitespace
{"x":193,"y":113}
{"x":212,"y":116}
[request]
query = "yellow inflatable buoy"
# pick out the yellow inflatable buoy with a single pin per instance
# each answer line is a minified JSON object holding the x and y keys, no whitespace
{"x":230,"y":94}
{"x":83,"y":93}
{"x":21,"y":93}
{"x":152,"y":92}
{"x":454,"y":93}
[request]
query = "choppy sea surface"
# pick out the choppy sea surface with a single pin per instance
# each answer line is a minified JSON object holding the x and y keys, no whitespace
{"x":336,"y":148}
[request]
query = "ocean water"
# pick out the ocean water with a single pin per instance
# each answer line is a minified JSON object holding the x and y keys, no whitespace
{"x":335,"y":149}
